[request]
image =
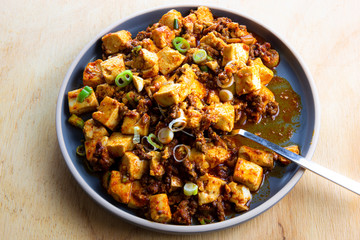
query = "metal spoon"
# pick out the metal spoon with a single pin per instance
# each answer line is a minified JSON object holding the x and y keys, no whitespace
{"x":312,"y":166}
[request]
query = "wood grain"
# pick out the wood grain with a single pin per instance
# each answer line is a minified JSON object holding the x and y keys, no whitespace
{"x":39,"y":199}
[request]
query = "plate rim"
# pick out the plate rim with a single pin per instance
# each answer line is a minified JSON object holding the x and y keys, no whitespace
{"x":179,"y":229}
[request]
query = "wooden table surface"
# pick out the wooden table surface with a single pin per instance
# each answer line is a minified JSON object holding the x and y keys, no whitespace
{"x":39,"y":198}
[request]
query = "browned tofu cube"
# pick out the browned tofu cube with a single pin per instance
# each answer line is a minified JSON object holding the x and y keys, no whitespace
{"x":213,"y":65}
{"x":145,"y":59}
{"x":160,"y":208}
{"x":198,"y":89}
{"x":88,"y":105}
{"x":236,"y":52}
{"x":224,"y":114}
{"x":193,"y":118}
{"x":149,"y":45}
{"x":92,"y":75}
{"x":175,"y":183}
{"x":240,"y":195}
{"x":188,"y":77}
{"x":150,"y":72}
{"x":169,"y":17}
{"x":101,"y":160}
{"x":169,"y":60}
{"x":118,"y":144}
{"x":93,"y":129}
{"x":213,"y":41}
{"x":117,"y":189}
{"x":156,"y":167}
{"x":293,"y":148}
{"x":199,"y":159}
{"x":104,"y":90}
{"x":209,"y":188}
{"x":216,"y":155}
{"x":112,"y":67}
{"x":138,"y":198}
{"x":260,"y":157}
{"x":189,"y":22}
{"x":248,"y":173}
{"x":266,"y":74}
{"x":109,"y":113}
{"x":170,"y":94}
{"x":162,"y":36}
{"x":116,"y":42}
{"x":134,"y":167}
{"x":247,"y":80}
{"x":204,"y":15}
{"x":133,"y":119}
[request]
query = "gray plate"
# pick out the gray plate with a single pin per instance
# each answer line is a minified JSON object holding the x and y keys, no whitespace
{"x":291,"y":68}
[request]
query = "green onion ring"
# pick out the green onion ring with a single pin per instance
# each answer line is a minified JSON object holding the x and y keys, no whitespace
{"x":80,"y":150}
{"x":136,"y":49}
{"x":76,"y":121}
{"x":153,"y":143}
{"x":181,"y":44}
{"x":126,"y":77}
{"x":190,"y":189}
{"x":199,"y":56}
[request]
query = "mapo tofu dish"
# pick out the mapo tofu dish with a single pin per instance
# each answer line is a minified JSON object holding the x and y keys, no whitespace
{"x":160,"y":108}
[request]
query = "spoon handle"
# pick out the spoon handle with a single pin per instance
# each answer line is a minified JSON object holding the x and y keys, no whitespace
{"x":312,"y":166}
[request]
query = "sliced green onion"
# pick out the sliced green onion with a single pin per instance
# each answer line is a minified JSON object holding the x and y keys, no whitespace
{"x":106,"y":179}
{"x":190,"y":189}
{"x":165,"y":135}
{"x":76,"y":121}
{"x":181,"y":44}
{"x":225,"y":95}
{"x":202,"y":221}
{"x":80,"y":150}
{"x":126,"y":77}
{"x":204,"y":68}
{"x":184,"y":151}
{"x":124,"y":178}
{"x":85,"y":92}
{"x":177,"y":124}
{"x":136,"y":49}
{"x":151,"y":139}
{"x":136,"y":138}
{"x":199,"y":56}
{"x":176,"y":23}
{"x":209,"y":58}
{"x":225,"y":85}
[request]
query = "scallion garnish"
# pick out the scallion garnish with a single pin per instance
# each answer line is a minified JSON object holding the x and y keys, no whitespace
{"x":176,"y":23}
{"x":152,"y":139}
{"x":126,"y":77}
{"x":84,"y":93}
{"x":199,"y":56}
{"x":204,"y":68}
{"x":181,"y":44}
{"x":136,"y":49}
{"x":76,"y":121}
{"x":190,"y":189}
{"x":80,"y":150}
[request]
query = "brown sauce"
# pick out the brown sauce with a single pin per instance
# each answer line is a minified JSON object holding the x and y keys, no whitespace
{"x":285,"y":124}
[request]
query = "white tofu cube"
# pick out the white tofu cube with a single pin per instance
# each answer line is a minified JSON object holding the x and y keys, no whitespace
{"x":216,"y":155}
{"x":293,"y":148}
{"x":170,"y":94}
{"x":169,"y":17}
{"x":162,"y":36}
{"x":224,"y":114}
{"x":88,"y":105}
{"x":92,"y":75}
{"x":213,"y":41}
{"x":236,"y":52}
{"x":116,"y":42}
{"x":134,"y":167}
{"x":260,"y":157}
{"x":93,"y":130}
{"x":247,"y":80}
{"x":156,"y":167}
{"x":137,"y":197}
{"x":160,"y":208}
{"x":118,"y":144}
{"x":204,"y":15}
{"x":109,"y":113}
{"x":248,"y":173}
{"x":112,"y":67}
{"x":117,"y":189}
{"x":169,"y":60}
{"x":198,"y":158}
{"x":209,"y":188}
{"x":97,"y":153}
{"x":133,"y":119}
{"x":266,"y":74}
{"x":240,"y":195}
